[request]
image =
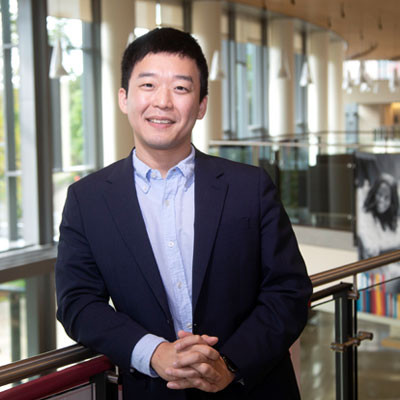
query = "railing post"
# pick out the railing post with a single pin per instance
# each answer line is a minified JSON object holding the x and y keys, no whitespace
{"x":346,"y":360}
{"x":104,"y":389}
{"x":15,"y":314}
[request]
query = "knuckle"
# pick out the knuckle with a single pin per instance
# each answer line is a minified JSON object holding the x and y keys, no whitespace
{"x":205,"y":368}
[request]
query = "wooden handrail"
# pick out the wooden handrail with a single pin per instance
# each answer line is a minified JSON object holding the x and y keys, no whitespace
{"x":354,"y":268}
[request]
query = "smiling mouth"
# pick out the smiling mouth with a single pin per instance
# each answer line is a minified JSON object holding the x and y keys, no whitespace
{"x":160,"y":121}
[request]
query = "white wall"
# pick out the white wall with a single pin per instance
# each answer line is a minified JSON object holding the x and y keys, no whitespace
{"x":320,"y":259}
{"x":371,"y":116}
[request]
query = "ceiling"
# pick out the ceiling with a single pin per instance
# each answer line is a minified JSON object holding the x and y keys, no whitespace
{"x":371,"y":28}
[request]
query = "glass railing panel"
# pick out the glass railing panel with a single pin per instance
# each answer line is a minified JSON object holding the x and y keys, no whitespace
{"x":293,"y":182}
{"x":82,"y":392}
{"x":317,"y":366}
{"x":25,"y":312}
{"x":379,"y":359}
{"x":315,"y":181}
{"x":13,"y":327}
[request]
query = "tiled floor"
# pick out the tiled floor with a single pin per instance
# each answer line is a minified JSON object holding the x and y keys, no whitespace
{"x":378,"y":366}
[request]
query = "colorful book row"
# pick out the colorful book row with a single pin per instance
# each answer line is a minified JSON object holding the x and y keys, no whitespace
{"x":377,"y":300}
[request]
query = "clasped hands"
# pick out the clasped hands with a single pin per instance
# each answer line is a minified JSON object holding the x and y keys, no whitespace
{"x":191,"y":362}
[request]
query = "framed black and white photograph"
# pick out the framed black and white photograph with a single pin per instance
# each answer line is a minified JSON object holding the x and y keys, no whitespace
{"x":377,"y":183}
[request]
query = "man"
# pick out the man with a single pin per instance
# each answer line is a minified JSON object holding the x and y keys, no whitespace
{"x":209,"y":289}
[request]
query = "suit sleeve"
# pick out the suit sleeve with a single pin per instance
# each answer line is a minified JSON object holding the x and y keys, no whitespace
{"x":263,"y":338}
{"x":82,"y":296}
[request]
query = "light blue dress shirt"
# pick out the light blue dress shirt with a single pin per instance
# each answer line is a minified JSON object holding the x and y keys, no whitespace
{"x":167,"y":207}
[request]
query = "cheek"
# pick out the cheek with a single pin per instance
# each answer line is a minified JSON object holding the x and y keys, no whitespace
{"x":190,"y":110}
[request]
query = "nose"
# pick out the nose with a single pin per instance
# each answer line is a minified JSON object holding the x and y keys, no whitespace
{"x":162,"y":98}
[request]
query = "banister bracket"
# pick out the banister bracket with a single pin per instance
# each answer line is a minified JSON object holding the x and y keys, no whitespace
{"x":355,"y":341}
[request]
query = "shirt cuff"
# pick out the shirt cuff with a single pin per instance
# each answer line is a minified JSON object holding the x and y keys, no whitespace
{"x":142,"y":352}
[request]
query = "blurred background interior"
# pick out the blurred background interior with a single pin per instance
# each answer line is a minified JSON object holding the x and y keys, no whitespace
{"x":299,"y":87}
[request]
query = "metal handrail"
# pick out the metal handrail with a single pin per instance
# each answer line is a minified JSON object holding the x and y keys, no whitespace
{"x":354,"y":268}
{"x":43,"y":362}
{"x":76,"y":353}
{"x":296,"y":144}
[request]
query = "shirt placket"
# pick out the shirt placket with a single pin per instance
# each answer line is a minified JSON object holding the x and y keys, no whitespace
{"x":176,"y":271}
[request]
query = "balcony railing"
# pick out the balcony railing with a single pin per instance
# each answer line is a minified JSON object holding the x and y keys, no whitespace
{"x":99,"y":370}
{"x":314,"y":173}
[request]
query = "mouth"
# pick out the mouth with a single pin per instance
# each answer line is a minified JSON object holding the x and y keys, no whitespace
{"x":160,"y":121}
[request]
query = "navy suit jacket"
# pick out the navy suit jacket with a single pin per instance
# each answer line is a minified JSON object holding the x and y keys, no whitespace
{"x":250,"y":285}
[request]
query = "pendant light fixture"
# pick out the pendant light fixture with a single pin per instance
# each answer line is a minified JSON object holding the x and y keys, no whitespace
{"x":57,"y":69}
{"x":216,"y":71}
{"x":365,"y":80}
{"x":305,"y":76}
{"x":283,"y":72}
{"x":394,"y":82}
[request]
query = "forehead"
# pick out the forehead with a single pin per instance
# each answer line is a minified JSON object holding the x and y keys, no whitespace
{"x":384,"y":188}
{"x":167,"y":64}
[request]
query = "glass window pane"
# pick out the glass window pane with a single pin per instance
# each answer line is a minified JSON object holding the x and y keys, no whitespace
{"x":11,"y":227}
{"x":73,"y":116}
{"x":13,"y":335}
{"x":317,"y":359}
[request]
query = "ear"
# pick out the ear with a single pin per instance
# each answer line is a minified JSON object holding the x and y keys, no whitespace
{"x":202,"y":108}
{"x":122,"y":100}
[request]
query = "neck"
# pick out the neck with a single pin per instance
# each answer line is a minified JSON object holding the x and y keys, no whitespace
{"x":162,"y":160}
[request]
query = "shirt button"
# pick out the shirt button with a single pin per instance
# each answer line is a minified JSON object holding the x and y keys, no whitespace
{"x":189,"y":326}
{"x":179,"y":285}
{"x":144,"y":187}
{"x":167,"y":203}
{"x":171,"y":244}
{"x":153,"y":175}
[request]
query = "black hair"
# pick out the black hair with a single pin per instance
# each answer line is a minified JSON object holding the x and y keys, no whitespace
{"x":164,"y":40}
{"x":389,"y":217}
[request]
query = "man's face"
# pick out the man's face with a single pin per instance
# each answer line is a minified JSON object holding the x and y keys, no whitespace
{"x":163,"y":101}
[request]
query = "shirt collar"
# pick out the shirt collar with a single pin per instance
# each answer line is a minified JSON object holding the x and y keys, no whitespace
{"x":144,"y":173}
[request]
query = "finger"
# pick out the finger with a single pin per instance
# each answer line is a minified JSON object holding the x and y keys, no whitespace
{"x":204,"y":369}
{"x":196,"y":383}
{"x":182,"y":373}
{"x":196,"y":354}
{"x":187,"y":341}
{"x":207,"y":372}
{"x":210,"y":340}
{"x":182,"y":334}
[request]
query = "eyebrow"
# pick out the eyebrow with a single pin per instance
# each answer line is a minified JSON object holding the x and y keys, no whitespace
{"x":150,"y":74}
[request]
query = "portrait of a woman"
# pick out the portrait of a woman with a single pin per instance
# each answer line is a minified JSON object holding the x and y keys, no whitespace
{"x":378,"y":223}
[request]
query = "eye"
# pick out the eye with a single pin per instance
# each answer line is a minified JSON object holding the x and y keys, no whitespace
{"x":147,"y":85}
{"x":182,"y":89}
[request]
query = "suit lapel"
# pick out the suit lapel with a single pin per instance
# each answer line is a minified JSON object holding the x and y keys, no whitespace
{"x":210,"y":192}
{"x":123,"y":204}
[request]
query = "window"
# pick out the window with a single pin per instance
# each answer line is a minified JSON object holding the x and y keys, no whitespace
{"x":10,"y":156}
{"x":75,"y":131}
{"x":244,"y":57}
{"x":300,"y":96}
